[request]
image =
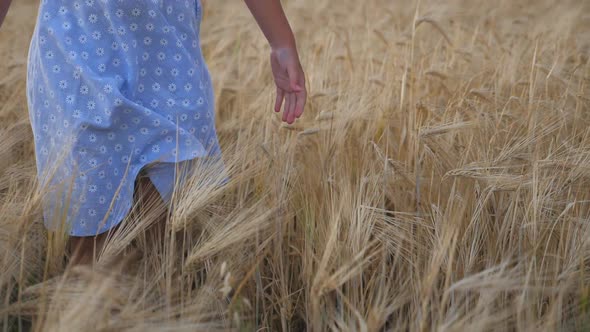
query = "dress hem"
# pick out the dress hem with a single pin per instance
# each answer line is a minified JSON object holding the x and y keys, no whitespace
{"x":126,"y":210}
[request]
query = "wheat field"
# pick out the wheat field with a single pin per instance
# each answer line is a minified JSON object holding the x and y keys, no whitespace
{"x":438,"y":180}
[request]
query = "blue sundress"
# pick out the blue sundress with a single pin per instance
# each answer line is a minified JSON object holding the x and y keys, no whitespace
{"x":115,"y":87}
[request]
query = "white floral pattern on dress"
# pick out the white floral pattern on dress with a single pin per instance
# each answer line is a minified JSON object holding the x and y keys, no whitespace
{"x":110,"y":87}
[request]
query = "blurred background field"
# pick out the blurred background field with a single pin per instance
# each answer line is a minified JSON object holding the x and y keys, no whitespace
{"x":439,"y":179}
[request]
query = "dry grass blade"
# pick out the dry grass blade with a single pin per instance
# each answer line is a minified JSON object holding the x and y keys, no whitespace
{"x":445,"y":128}
{"x":434,"y":24}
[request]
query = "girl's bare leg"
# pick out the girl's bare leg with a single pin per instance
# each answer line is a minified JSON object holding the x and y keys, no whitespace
{"x":85,"y":249}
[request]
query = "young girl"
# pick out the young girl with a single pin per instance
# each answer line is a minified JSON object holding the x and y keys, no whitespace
{"x":113,"y":86}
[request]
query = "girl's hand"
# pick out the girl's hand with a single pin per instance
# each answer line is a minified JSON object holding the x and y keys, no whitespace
{"x":290,"y":81}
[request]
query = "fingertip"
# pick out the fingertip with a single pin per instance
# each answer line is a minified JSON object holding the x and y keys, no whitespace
{"x":287,"y":106}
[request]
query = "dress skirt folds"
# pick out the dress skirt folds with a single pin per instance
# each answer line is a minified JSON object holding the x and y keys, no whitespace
{"x":114,"y":86}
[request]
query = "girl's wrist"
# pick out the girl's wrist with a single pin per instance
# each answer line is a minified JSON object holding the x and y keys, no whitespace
{"x":283,"y":38}
{"x":286,"y":43}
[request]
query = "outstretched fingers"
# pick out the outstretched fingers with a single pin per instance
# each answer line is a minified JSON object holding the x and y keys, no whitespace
{"x":300,"y":106}
{"x":279,"y":100}
{"x":291,"y":116}
{"x":287,"y":106}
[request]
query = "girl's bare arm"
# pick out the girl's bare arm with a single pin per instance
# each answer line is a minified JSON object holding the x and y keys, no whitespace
{"x":272,"y":21}
{"x":286,"y":67}
{"x":4,"y":4}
